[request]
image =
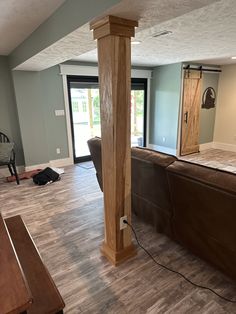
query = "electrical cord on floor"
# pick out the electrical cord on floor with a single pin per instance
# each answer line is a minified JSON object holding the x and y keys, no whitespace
{"x":174,"y":271}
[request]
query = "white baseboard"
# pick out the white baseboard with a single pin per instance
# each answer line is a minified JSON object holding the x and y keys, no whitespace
{"x":4,"y":171}
{"x":225,"y":146}
{"x":163,"y":149}
{"x":61,"y":162}
{"x":52,"y":163}
{"x":205,"y":146}
{"x":38,"y":166}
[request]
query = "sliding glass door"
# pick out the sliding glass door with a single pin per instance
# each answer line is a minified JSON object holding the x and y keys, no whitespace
{"x":138,"y":112}
{"x":85,"y":113}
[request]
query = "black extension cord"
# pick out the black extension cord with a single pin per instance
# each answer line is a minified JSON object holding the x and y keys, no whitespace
{"x":174,"y":271}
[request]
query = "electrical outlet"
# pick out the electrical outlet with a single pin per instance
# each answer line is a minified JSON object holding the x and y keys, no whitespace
{"x":59,"y":113}
{"x":122,"y":224}
{"x":58,"y":150}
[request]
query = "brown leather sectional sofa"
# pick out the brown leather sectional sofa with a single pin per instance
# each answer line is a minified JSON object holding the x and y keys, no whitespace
{"x":194,"y":205}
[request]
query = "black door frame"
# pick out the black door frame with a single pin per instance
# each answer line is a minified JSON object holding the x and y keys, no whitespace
{"x":70,"y":79}
{"x":142,"y":82}
{"x":94,"y":79}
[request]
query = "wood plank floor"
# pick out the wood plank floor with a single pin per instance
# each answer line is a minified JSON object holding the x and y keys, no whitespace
{"x":215,"y":158}
{"x":66,"y":222}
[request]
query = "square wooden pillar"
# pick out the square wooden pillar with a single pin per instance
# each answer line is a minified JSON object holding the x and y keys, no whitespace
{"x":113,"y":36}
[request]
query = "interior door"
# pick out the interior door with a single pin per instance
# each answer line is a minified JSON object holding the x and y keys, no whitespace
{"x":191,"y":112}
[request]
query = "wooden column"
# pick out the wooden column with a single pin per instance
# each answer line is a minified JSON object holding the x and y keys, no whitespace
{"x":114,"y":58}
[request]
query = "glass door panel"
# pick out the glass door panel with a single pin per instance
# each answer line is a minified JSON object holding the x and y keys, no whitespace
{"x":138,"y":112}
{"x":85,"y":116}
{"x":137,"y":116}
{"x":85,"y":113}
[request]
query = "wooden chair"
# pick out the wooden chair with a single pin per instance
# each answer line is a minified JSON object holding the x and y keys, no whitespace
{"x":11,"y":163}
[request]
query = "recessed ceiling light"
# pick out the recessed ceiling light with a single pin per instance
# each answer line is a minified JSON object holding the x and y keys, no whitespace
{"x":162,"y":33}
{"x":135,"y":42}
{"x":233,"y":57}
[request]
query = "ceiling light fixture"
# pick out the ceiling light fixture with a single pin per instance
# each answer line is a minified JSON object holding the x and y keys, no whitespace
{"x":162,"y":33}
{"x":135,"y":42}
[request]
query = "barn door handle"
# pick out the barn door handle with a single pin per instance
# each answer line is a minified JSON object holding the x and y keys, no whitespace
{"x":186,"y":117}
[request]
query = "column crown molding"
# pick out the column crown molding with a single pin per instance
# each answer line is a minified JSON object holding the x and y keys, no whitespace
{"x":113,"y":25}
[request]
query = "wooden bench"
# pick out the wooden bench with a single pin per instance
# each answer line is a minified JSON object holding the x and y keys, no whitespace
{"x":45,"y":295}
{"x":15,"y":295}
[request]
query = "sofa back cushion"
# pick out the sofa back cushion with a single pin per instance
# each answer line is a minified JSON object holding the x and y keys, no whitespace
{"x":95,"y":149}
{"x":204,"y":204}
{"x":150,"y":190}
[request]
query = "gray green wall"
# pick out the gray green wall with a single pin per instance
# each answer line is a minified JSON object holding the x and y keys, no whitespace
{"x":9,"y":123}
{"x":207,"y":116}
{"x":164,"y":105}
{"x":30,"y":112}
{"x":38,"y":94}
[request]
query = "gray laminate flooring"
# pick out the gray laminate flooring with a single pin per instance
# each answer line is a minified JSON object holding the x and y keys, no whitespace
{"x":66,"y":223}
{"x":215,"y":158}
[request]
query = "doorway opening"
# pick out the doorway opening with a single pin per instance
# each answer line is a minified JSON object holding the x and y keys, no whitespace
{"x":85,"y":118}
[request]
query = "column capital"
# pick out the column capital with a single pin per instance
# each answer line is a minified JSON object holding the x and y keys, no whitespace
{"x":112,"y":25}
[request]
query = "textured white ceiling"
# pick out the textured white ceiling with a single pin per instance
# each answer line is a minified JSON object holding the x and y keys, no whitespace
{"x":19,"y":18}
{"x":148,"y":12}
{"x":71,"y":45}
{"x":207,"y":34}
{"x":152,"y":12}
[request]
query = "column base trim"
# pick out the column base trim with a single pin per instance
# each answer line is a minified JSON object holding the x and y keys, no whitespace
{"x":116,"y":258}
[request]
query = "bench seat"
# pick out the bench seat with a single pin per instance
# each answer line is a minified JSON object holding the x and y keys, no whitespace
{"x":15,"y":296}
{"x":46,"y":297}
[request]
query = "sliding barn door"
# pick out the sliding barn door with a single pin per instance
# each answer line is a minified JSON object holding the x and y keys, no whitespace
{"x":191,"y":112}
